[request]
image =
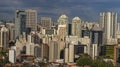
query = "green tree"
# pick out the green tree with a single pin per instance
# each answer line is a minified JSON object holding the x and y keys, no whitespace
{"x":98,"y":63}
{"x":87,"y":60}
{"x":101,"y":63}
{"x":84,"y":60}
{"x":3,"y":53}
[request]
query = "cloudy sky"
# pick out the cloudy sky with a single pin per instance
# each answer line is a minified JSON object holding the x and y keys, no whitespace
{"x":87,"y":10}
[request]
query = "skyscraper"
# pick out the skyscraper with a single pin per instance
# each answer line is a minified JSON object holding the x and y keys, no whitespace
{"x":46,"y":22}
{"x":20,"y":22}
{"x":76,"y":26}
{"x":63,"y":20}
{"x":31,"y":19}
{"x":108,"y":22}
{"x":4,"y":34}
{"x":62,"y":32}
{"x":11,"y":28}
{"x":54,"y":52}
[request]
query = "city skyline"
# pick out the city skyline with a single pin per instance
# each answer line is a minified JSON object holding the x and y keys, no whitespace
{"x":62,"y":43}
{"x":86,"y":10}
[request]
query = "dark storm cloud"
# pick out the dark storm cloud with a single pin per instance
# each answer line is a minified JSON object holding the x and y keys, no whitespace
{"x":85,"y":9}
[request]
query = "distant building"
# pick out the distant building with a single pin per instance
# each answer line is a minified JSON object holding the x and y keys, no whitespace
{"x":46,"y":22}
{"x":69,"y":29}
{"x":4,"y":34}
{"x":118,"y":27}
{"x":62,"y":32}
{"x":54,"y":52}
{"x":70,"y":41}
{"x":66,"y":55}
{"x":63,"y":20}
{"x":45,"y":51}
{"x":37,"y":51}
{"x":20,"y":45}
{"x":108,"y":22}
{"x":32,"y":48}
{"x":61,"y":48}
{"x":85,"y":43}
{"x":12,"y":56}
{"x":11,"y":29}
{"x":31,"y":19}
{"x":48,"y":31}
{"x":117,"y":52}
{"x":95,"y":33}
{"x":117,"y":55}
{"x":76,"y":27}
{"x":95,"y":51}
{"x":20,"y":22}
{"x":79,"y":49}
{"x":71,"y":53}
{"x":35,"y":38}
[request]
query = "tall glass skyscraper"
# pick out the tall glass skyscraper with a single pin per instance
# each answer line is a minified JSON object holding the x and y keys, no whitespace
{"x":20,"y":22}
{"x":25,"y":20}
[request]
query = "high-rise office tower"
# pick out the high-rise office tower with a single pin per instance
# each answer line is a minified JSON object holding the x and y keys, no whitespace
{"x":69,"y":53}
{"x":76,"y":26}
{"x":20,"y":22}
{"x":54,"y":52}
{"x":46,"y":22}
{"x":108,"y":22}
{"x":63,"y":20}
{"x":4,"y":34}
{"x":11,"y":28}
{"x":31,"y":19}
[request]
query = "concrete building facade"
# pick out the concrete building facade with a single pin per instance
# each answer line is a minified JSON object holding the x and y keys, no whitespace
{"x":76,"y":26}
{"x":31,"y":19}
{"x":4,"y":34}
{"x":108,"y":22}
{"x":46,"y":22}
